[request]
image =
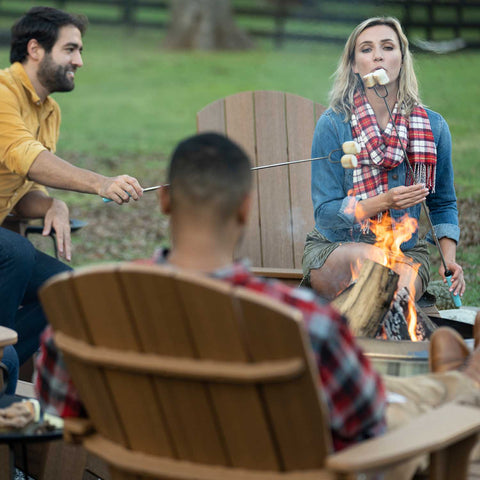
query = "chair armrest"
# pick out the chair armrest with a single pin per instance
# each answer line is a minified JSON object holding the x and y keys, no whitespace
{"x":7,"y":337}
{"x":76,"y":429}
{"x":429,"y":433}
{"x":281,"y":273}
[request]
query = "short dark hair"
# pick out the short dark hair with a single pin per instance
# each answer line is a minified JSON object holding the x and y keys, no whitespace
{"x":210,"y":171}
{"x":42,"y":24}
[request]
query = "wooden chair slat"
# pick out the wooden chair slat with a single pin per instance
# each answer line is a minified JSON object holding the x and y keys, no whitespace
{"x":102,"y":302}
{"x":212,"y":117}
{"x":294,"y":407}
{"x":136,"y":401}
{"x":93,"y":389}
{"x":240,"y":121}
{"x":273,"y":183}
{"x":62,"y":309}
{"x":216,"y":332}
{"x":156,"y":313}
{"x":301,"y":122}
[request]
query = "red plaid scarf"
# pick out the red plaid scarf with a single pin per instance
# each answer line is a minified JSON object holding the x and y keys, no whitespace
{"x":382,"y":151}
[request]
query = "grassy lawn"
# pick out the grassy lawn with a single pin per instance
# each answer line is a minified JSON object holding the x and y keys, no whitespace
{"x":133,"y":102}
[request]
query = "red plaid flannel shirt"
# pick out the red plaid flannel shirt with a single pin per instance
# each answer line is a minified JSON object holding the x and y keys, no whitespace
{"x":53,"y":384}
{"x":352,"y":389}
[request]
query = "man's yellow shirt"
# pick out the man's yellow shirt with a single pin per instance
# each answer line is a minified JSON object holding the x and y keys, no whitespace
{"x":27,"y":128}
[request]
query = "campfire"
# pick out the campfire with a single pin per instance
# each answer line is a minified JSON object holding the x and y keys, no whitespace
{"x":381,"y":301}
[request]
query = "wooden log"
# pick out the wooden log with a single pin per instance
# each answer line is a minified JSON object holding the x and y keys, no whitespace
{"x":369,"y":299}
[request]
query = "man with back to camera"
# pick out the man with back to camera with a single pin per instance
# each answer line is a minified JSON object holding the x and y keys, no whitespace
{"x":46,"y":51}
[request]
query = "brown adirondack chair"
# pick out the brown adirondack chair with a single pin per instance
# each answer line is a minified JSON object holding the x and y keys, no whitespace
{"x":186,"y":377}
{"x":272,"y":127}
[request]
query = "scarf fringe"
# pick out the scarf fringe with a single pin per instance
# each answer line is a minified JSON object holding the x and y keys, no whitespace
{"x":425,"y":174}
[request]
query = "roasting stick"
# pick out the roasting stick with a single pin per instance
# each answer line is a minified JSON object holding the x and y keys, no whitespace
{"x":261,"y":167}
{"x":380,"y":78}
{"x":281,"y":164}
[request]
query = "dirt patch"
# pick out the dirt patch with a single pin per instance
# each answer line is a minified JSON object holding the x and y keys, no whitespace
{"x":469,"y":214}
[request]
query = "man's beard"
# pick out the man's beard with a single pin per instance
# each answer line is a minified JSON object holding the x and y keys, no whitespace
{"x":54,"y":77}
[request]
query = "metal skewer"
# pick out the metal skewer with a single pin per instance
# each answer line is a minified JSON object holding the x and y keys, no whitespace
{"x":148,"y":189}
{"x":448,"y":273}
{"x":156,"y":187}
{"x":261,"y":167}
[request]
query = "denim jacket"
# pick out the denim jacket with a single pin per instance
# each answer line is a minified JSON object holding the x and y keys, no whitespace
{"x":331,"y":184}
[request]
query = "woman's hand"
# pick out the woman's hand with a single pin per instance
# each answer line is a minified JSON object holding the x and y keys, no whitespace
{"x":458,"y":280}
{"x":402,"y":197}
{"x":449,"y":248}
{"x":397,"y":198}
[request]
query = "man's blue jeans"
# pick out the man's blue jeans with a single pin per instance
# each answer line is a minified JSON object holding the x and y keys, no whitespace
{"x":10,"y":360}
{"x":23,"y":269}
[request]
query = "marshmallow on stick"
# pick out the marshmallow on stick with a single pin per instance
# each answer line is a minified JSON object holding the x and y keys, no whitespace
{"x":378,"y":77}
{"x":381,"y":76}
{"x":349,"y":161}
{"x":369,"y":81}
{"x":351,"y":147}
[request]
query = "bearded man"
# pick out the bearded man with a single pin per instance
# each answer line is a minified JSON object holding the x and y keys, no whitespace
{"x":46,"y":51}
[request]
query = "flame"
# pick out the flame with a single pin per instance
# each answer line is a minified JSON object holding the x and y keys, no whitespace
{"x":390,"y":235}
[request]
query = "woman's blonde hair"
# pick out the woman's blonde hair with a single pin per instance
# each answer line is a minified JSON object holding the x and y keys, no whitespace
{"x":346,"y":82}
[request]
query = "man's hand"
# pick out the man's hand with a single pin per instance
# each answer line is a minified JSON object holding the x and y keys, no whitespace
{"x":120,"y":189}
{"x":52,"y":171}
{"x":57,"y":217}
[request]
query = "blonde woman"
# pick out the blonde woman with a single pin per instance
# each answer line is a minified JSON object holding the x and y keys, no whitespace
{"x":346,"y":200}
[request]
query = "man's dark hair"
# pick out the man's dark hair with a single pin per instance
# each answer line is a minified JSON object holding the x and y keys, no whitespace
{"x":42,"y":24}
{"x":210,"y":171}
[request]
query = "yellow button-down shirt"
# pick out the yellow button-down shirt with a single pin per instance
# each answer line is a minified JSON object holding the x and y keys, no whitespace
{"x":28,"y":126}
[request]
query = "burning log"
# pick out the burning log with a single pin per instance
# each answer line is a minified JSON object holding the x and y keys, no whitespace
{"x":367,"y":302}
{"x":395,"y":324}
{"x":373,"y":310}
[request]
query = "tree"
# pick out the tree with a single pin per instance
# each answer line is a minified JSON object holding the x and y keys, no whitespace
{"x":204,"y":25}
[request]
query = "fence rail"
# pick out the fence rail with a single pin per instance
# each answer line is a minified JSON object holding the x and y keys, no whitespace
{"x":306,"y":20}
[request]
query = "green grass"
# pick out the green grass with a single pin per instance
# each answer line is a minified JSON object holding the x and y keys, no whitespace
{"x":134,"y":101}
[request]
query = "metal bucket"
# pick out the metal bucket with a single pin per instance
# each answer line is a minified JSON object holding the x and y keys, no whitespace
{"x":403,"y":357}
{"x":396,"y":357}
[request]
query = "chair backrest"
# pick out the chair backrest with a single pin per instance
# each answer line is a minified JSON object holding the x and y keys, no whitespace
{"x":188,"y":368}
{"x":272,"y":127}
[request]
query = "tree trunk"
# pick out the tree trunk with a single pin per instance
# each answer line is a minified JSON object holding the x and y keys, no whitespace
{"x":204,"y":25}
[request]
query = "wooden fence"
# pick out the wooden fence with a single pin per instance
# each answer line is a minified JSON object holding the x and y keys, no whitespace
{"x":303,"y":20}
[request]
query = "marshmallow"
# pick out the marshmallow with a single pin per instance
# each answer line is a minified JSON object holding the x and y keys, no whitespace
{"x":351,"y":147}
{"x":369,"y":81}
{"x":349,"y":161}
{"x":381,"y":76}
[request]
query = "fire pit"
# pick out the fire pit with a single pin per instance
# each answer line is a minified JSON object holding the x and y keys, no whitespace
{"x":405,"y":357}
